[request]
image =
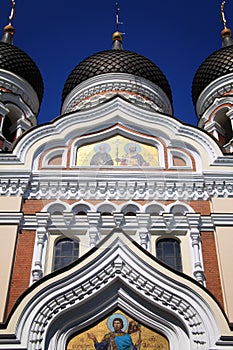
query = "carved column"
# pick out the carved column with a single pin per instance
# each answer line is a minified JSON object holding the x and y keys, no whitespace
{"x":198,"y":271}
{"x":143,"y":223}
{"x":230,"y":116}
{"x":3,"y":112}
{"x":93,"y":220}
{"x":41,"y":238}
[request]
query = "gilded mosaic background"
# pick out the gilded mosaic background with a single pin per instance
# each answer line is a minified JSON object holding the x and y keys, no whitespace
{"x":149,"y":340}
{"x":117,"y":151}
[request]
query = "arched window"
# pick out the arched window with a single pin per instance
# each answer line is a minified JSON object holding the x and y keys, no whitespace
{"x":168,"y":251}
{"x":66,"y":251}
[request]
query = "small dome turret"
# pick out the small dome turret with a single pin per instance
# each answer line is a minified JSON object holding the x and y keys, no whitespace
{"x":212,"y":90}
{"x":215,"y":66}
{"x":113,"y":67}
{"x":16,"y":61}
{"x":21,"y":88}
{"x":116,"y":61}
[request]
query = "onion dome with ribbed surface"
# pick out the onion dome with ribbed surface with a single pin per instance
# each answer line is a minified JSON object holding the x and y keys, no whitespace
{"x":117,"y":72}
{"x":116,"y":61}
{"x":217,"y":65}
{"x":21,"y":87}
{"x":18,"y":62}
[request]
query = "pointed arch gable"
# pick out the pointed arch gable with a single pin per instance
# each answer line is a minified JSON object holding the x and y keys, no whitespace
{"x":58,"y":133}
{"x":116,"y":274}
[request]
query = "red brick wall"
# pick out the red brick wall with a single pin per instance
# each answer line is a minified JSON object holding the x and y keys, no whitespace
{"x":32,"y":206}
{"x":22,"y":266}
{"x":211,"y":266}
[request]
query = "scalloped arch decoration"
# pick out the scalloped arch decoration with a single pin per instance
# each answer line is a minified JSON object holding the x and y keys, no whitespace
{"x":117,"y":275}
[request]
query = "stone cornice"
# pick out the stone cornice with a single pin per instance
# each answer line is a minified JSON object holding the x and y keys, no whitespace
{"x":147,"y":185}
{"x":164,"y":222}
{"x":14,"y":183}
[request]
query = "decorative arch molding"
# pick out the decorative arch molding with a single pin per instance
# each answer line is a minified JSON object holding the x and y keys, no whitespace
{"x":22,"y":91}
{"x":117,"y":274}
{"x":106,"y":207}
{"x":155,"y":208}
{"x":62,"y":130}
{"x":216,"y":93}
{"x":60,"y":153}
{"x":81,"y":207}
{"x":184,"y":157}
{"x":224,"y":103}
{"x":56,"y":206}
{"x":179,"y":208}
{"x":112,"y":207}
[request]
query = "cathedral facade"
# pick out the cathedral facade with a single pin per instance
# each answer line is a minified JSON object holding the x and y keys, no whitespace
{"x":116,"y":207}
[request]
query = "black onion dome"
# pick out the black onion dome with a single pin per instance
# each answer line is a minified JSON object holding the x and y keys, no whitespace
{"x":18,"y":62}
{"x":116,"y":61}
{"x":218,"y":64}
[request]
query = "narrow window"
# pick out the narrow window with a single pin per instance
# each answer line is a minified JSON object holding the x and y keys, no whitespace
{"x":66,"y":251}
{"x":168,"y":251}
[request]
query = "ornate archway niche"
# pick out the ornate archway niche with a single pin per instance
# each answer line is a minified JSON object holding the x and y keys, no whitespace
{"x":117,"y":275}
{"x":150,"y":340}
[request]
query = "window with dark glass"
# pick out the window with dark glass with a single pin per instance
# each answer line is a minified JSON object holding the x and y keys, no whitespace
{"x":168,"y":251}
{"x":66,"y":251}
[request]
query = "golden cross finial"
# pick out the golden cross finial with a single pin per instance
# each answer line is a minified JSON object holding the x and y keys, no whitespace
{"x":223,"y":15}
{"x":117,"y":17}
{"x":13,"y":12}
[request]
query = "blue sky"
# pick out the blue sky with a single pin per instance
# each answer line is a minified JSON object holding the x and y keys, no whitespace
{"x":176,"y":35}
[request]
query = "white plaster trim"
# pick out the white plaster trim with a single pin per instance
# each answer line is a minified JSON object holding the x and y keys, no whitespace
{"x":16,"y":101}
{"x":223,"y":101}
{"x":87,"y":185}
{"x":103,"y":185}
{"x":55,"y":152}
{"x":212,"y":126}
{"x":3,"y":109}
{"x":107,"y":83}
{"x":214,"y":90}
{"x":162,"y":222}
{"x":152,"y":205}
{"x":52,"y":207}
{"x":117,"y":208}
{"x":20,"y":87}
{"x":172,"y":153}
{"x":116,"y":111}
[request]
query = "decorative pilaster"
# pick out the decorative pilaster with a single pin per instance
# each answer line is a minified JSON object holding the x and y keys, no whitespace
{"x":93,"y":220}
{"x":194,"y":222}
{"x":143,"y":222}
{"x":41,"y":237}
